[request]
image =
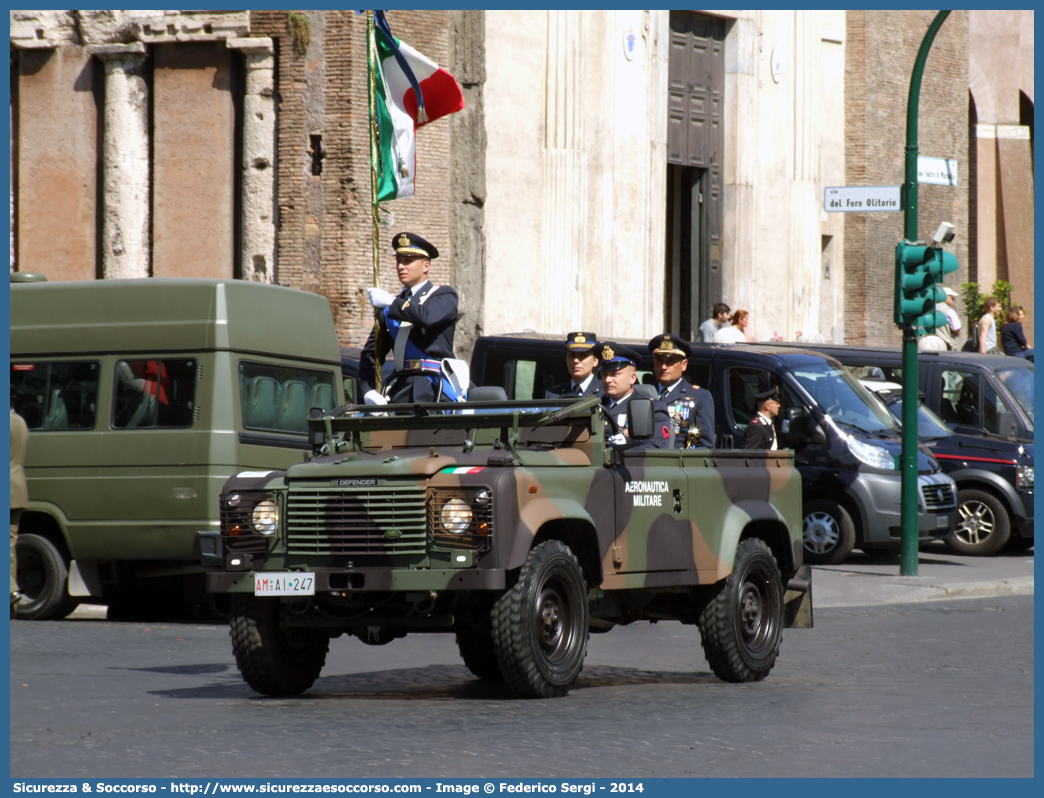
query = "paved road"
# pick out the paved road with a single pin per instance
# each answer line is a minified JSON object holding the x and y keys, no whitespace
{"x":940,"y":688}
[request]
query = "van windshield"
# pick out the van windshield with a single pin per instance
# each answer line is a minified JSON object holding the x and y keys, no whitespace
{"x":845,"y":400}
{"x":1020,"y":382}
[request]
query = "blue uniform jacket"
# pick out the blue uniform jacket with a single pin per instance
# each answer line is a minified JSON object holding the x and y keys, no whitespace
{"x":688,"y":407}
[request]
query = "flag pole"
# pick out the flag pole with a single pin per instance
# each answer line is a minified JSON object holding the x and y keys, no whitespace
{"x":371,"y":55}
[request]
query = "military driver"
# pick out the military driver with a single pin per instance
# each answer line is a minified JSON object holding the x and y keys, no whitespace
{"x":417,"y":328}
{"x":690,"y":407}
{"x":761,"y":432}
{"x":619,"y":374}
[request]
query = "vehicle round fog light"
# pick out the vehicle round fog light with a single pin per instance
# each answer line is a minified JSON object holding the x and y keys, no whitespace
{"x":456,"y":516}
{"x":265,"y":518}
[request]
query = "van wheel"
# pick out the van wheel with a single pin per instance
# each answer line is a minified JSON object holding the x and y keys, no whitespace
{"x":983,"y":526}
{"x":827,"y":532}
{"x":274,"y":659}
{"x":540,"y":626}
{"x":475,"y":643}
{"x":741,"y":627}
{"x":43,"y":580}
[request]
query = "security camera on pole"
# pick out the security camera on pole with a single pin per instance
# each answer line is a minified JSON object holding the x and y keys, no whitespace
{"x":917,"y":268}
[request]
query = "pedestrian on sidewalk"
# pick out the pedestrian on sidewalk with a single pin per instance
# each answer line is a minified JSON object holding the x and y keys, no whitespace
{"x":1013,"y":338}
{"x":719,"y":319}
{"x":987,"y":328}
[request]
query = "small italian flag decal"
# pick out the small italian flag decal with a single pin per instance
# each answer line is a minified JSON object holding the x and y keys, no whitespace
{"x":463,"y":470}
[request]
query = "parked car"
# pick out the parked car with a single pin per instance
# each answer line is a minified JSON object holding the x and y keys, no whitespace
{"x":994,"y":479}
{"x":846,"y":444}
{"x":974,"y":394}
{"x":142,"y":398}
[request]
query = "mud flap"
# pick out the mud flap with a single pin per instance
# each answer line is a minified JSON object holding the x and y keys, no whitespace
{"x":797,"y":600}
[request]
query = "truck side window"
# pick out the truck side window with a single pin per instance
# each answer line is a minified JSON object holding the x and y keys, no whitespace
{"x":154,"y":394}
{"x":55,"y":396}
{"x":960,"y":398}
{"x":744,"y":383}
{"x":279,"y":397}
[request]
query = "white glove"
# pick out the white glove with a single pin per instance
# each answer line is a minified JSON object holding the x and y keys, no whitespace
{"x":380,"y":298}
{"x":374,"y":398}
{"x":619,"y":439}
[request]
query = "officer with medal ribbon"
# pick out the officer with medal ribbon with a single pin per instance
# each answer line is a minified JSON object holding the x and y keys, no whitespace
{"x":581,"y":363}
{"x":619,"y":375}
{"x":690,"y":407}
{"x":761,"y":432}
{"x":417,"y":328}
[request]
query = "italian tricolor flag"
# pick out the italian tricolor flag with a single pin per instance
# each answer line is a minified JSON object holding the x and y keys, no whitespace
{"x":400,"y":110}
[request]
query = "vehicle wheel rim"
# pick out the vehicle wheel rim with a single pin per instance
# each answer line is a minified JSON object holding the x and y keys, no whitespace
{"x":757,"y":626}
{"x":553,"y":621}
{"x":820,"y":533}
{"x":32,"y":577}
{"x":976,"y":523}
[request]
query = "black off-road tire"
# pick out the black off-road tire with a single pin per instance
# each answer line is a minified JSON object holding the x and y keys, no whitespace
{"x":983,"y":525}
{"x":827,"y":532}
{"x":475,"y":643}
{"x":741,"y":627}
{"x":43,"y":580}
{"x":274,"y":660}
{"x":540,"y":626}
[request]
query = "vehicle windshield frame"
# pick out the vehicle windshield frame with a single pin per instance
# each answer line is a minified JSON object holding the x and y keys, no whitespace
{"x":880,"y":420}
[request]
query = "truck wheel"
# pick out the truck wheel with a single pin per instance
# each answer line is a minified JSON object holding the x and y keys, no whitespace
{"x":983,"y":526}
{"x":827,"y":532}
{"x":741,"y":627}
{"x":540,"y":626}
{"x":475,"y":643}
{"x":274,"y":660}
{"x":43,"y":580}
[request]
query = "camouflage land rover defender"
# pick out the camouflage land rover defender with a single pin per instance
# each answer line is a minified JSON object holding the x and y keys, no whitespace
{"x":514,"y":526}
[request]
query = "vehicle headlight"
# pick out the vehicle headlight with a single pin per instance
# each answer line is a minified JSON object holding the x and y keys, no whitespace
{"x":456,"y":516}
{"x":265,"y":517}
{"x":871,"y":455}
{"x":1024,"y":476}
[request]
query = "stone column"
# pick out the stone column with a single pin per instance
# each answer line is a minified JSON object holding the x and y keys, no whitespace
{"x":258,"y":240}
{"x":125,"y":192}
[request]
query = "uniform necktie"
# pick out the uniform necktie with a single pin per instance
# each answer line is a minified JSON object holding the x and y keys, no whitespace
{"x":577,"y":390}
{"x":664,"y":392}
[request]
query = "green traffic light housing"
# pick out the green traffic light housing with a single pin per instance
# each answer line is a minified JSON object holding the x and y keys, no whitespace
{"x":917,"y":269}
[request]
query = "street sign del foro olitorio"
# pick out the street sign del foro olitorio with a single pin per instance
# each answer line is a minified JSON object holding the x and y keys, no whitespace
{"x":861,"y":199}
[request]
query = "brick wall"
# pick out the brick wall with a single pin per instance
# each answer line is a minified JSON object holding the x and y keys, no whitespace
{"x":882,"y":46}
{"x":324,"y":240}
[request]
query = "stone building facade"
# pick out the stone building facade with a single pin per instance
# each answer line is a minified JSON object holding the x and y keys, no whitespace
{"x":1000,"y":82}
{"x":619,"y":171}
{"x":882,"y":47}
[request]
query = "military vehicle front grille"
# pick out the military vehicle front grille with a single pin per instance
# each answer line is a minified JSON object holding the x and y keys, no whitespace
{"x":938,"y":497}
{"x":371,"y":520}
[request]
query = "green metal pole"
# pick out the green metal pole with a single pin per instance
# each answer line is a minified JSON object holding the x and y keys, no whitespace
{"x":908,"y":502}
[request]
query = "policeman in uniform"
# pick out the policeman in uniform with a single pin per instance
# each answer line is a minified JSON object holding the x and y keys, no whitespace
{"x":417,"y":329}
{"x":581,"y":363}
{"x":618,"y":371}
{"x":690,"y":407}
{"x":761,"y":432}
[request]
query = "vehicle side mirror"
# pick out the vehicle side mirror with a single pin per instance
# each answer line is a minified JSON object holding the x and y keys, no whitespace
{"x":640,"y":418}
{"x":816,"y":435}
{"x":794,"y":425}
{"x":316,"y":438}
{"x":1006,"y":425}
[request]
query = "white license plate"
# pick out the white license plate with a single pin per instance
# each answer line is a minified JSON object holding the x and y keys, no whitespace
{"x":293,"y":583}
{"x":942,"y":521}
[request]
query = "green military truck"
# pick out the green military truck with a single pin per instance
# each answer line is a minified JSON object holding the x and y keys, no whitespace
{"x":512,"y":525}
{"x":142,"y":397}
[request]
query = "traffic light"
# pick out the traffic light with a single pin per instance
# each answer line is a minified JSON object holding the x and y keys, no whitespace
{"x":917,"y":270}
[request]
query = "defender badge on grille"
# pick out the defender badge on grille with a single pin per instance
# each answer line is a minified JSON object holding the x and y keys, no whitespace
{"x":392,"y":534}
